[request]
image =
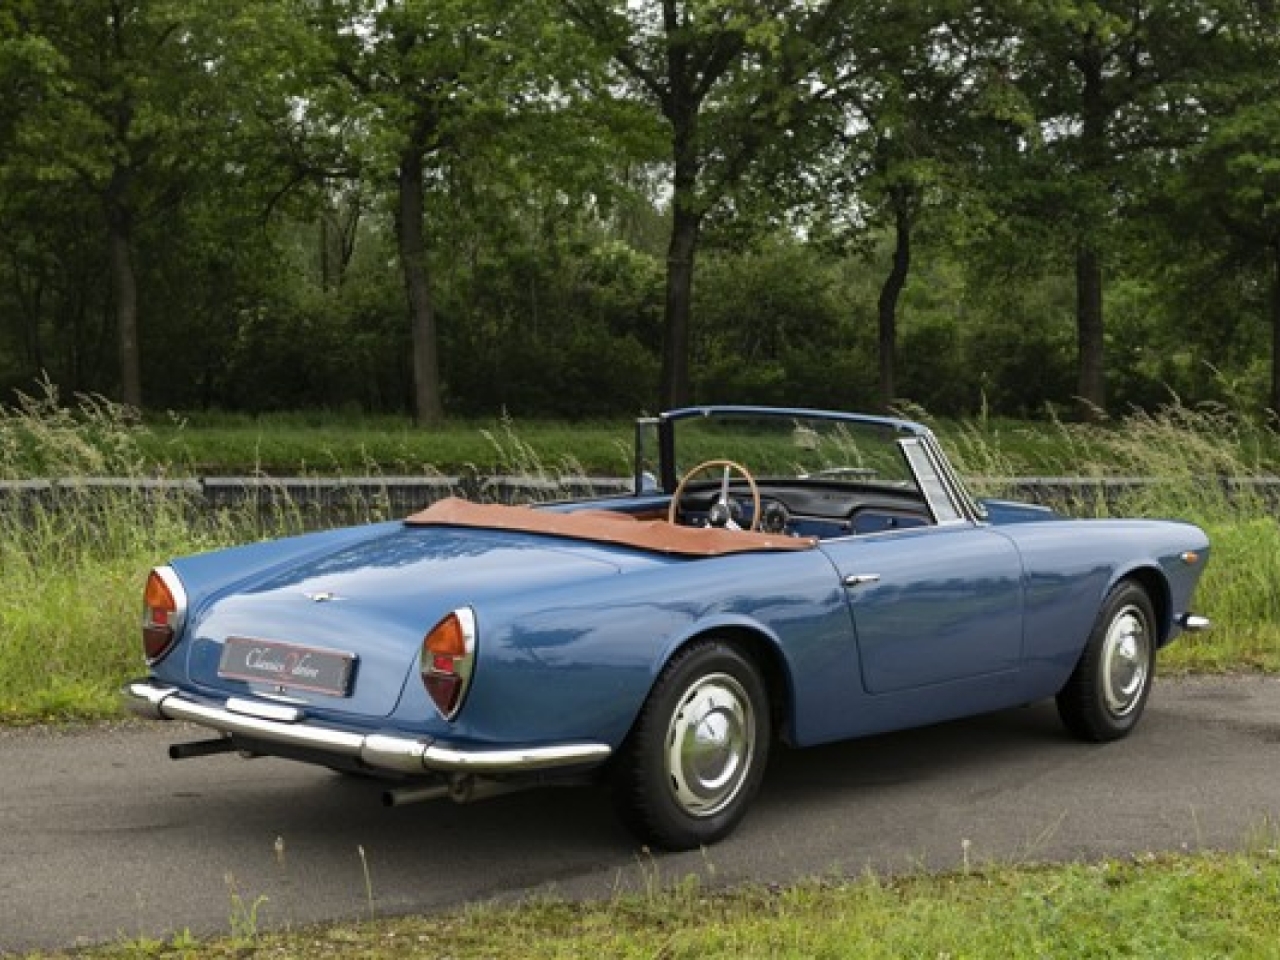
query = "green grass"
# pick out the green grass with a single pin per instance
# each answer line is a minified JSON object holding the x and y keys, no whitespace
{"x":69,"y":599}
{"x":1210,"y":905}
{"x":283,"y":446}
{"x":1240,"y":593}
{"x":44,"y":437}
{"x":70,"y":573}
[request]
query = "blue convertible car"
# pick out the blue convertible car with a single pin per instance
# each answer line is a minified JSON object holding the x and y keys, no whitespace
{"x":795,"y":574}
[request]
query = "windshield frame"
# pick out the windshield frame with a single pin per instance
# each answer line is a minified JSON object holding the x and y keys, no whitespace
{"x":931,"y":472}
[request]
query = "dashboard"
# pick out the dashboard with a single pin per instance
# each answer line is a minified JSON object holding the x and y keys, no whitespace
{"x":809,"y":510}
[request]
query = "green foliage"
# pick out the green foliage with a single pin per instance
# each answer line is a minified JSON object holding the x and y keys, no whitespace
{"x":244,"y":154}
{"x":1241,"y":595}
{"x":70,"y":565}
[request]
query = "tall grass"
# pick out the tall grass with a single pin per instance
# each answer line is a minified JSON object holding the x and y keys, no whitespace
{"x":72,"y":561}
{"x":1188,"y":456}
{"x":1196,"y":464}
{"x":347,"y":444}
{"x":1240,"y":593}
{"x":42,"y":437}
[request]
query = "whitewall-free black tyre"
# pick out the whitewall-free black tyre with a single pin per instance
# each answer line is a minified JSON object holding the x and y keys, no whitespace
{"x":695,"y":757}
{"x":1107,"y":692}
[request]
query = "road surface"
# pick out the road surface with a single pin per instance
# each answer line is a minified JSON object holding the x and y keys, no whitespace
{"x":102,"y":837}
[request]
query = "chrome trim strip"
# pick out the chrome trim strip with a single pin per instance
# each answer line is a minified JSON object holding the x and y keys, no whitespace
{"x":969,"y":507}
{"x":933,"y":486}
{"x":281,"y":713}
{"x":398,"y":754}
{"x":1194,"y":623}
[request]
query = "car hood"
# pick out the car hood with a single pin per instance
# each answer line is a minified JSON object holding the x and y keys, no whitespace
{"x":376,"y":600}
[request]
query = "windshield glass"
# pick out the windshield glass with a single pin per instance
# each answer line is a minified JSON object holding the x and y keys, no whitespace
{"x":796,"y":446}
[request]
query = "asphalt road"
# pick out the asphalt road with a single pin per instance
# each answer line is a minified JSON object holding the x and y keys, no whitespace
{"x":103,"y":837}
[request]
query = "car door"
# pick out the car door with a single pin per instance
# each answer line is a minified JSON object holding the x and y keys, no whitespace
{"x":932,"y":605}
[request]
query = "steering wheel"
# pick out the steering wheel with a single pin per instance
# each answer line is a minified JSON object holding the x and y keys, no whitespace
{"x":723,"y":500}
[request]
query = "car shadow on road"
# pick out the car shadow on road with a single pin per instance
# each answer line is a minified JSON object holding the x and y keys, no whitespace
{"x":846,"y":804}
{"x":941,"y":751}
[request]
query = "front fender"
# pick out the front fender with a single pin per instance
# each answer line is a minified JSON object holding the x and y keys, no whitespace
{"x":1071,"y":567}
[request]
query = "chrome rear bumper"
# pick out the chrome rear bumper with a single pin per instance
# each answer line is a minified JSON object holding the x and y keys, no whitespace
{"x":287,"y":727}
{"x":1194,"y":623}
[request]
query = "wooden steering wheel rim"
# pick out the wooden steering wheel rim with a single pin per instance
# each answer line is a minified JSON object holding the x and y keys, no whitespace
{"x":707,"y":465}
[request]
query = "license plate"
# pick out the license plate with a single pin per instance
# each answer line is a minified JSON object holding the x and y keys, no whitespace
{"x":286,"y":665}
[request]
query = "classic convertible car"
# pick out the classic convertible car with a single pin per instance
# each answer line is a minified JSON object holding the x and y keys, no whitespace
{"x":774,"y":574}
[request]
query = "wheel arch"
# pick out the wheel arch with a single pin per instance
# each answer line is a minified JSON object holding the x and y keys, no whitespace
{"x":773,"y":667}
{"x":1156,"y":587}
{"x":677,"y":784}
{"x":765,"y":654}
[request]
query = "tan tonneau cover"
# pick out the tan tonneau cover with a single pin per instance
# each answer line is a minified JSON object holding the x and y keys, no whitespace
{"x":605,"y":526}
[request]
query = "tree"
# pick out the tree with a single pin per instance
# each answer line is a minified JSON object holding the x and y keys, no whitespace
{"x":723,"y":75}
{"x":1221,"y":199}
{"x":904,"y":102}
{"x":114,"y":122}
{"x":432,"y":83}
{"x":1102,"y":79}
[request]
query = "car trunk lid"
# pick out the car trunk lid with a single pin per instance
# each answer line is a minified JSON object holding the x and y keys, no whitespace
{"x":342,"y":632}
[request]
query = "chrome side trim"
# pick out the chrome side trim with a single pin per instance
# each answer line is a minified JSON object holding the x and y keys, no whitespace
{"x":925,"y":464}
{"x":1194,"y":623}
{"x":264,"y":711}
{"x":381,"y":751}
{"x":970,"y":506}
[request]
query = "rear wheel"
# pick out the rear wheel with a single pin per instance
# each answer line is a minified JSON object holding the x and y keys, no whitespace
{"x":1106,"y":694}
{"x":695,"y":758}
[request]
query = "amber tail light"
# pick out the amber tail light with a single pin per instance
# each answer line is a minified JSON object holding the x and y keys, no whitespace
{"x":448,"y":657}
{"x":164,"y":605}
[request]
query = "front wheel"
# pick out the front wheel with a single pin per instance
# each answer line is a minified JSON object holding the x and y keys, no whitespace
{"x":1108,"y":690}
{"x":697,"y":753}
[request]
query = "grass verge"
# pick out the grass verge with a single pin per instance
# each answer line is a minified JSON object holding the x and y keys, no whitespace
{"x":1208,"y":905}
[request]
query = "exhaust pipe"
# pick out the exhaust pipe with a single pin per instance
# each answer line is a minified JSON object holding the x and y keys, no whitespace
{"x":401,"y":796}
{"x":201,"y":748}
{"x":464,"y":788}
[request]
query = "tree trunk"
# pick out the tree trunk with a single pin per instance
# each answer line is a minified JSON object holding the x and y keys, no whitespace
{"x":890,"y":293}
{"x":326,"y":247}
{"x":1275,"y":326}
{"x":675,"y":340}
{"x":124,"y":286}
{"x":119,"y":214}
{"x":31,"y":300}
{"x":1091,"y":389}
{"x":410,"y":209}
{"x":686,"y":223}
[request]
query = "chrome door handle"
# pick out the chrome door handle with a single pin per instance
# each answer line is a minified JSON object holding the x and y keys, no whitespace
{"x":858,"y":579}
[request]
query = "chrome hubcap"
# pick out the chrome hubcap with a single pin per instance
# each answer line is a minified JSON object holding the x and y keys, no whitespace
{"x":710,"y":745}
{"x":1126,"y":659}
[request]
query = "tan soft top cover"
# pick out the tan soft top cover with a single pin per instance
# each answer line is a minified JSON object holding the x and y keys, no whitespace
{"x":605,"y":526}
